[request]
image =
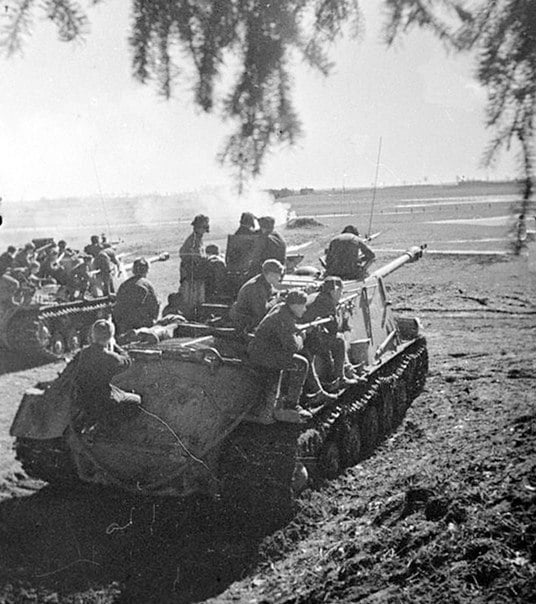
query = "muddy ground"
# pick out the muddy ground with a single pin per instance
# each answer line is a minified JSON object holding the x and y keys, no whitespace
{"x":444,"y":511}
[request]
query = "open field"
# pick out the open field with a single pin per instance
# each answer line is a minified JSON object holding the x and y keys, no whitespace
{"x":445,"y":509}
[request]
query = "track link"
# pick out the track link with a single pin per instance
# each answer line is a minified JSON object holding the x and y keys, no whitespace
{"x":354,"y":425}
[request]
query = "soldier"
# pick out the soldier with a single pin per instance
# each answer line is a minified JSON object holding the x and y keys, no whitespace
{"x":348,"y":256}
{"x":94,"y":247}
{"x":80,"y":278}
{"x":326,"y":342}
{"x":104,"y":262}
{"x":216,"y":273}
{"x":96,"y":399}
{"x":136,"y":303}
{"x":247,"y":224}
{"x":193,"y":267}
{"x":9,"y":288}
{"x":254,"y":296}
{"x":7,"y":259}
{"x":50,"y":267}
{"x":274,"y":351}
{"x":24,"y":257}
{"x":269,"y":245}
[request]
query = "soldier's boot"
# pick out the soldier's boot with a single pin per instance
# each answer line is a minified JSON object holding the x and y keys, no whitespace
{"x":287,"y":408}
{"x":263,"y":413}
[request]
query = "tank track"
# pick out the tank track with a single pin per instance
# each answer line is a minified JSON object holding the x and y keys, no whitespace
{"x":47,"y":460}
{"x":256,"y":474}
{"x":24,"y":326}
{"x":344,"y":433}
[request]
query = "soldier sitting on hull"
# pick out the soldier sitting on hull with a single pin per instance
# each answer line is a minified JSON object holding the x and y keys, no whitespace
{"x":247,"y":224}
{"x":216,"y":273}
{"x":136,"y":303}
{"x":326,"y":343}
{"x":270,"y":244}
{"x":96,"y":399}
{"x":193,"y":267}
{"x":254,"y":296}
{"x":348,"y":256}
{"x":274,"y":352}
{"x":7,"y":258}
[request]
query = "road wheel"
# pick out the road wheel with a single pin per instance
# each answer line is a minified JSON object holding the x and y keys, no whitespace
{"x":331,"y":459}
{"x":56,"y":345}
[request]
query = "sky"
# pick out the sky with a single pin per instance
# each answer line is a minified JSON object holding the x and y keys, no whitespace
{"x":73,"y":121}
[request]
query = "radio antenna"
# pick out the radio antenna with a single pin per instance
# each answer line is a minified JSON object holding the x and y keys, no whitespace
{"x":375,"y":187}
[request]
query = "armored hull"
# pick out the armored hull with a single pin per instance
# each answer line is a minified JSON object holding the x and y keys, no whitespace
{"x":196,"y":430}
{"x":50,"y":328}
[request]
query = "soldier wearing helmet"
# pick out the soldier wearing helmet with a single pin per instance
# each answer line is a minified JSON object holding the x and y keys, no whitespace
{"x":253,"y":301}
{"x":136,"y":303}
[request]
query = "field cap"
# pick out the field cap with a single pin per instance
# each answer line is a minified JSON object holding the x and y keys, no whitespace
{"x":272,"y":266}
{"x":267,"y":222}
{"x":140,"y":266}
{"x":296,"y":296}
{"x":247,"y":219}
{"x":351,"y":229}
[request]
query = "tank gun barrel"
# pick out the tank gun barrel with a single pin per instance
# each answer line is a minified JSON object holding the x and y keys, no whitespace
{"x":411,"y":255}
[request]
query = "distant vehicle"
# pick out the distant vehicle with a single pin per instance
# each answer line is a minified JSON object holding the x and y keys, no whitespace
{"x":195,"y":433}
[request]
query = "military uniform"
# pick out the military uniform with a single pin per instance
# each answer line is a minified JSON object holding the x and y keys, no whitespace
{"x":6,"y":261}
{"x":268,"y":246}
{"x":216,"y":277}
{"x":9,"y":286}
{"x":192,"y":274}
{"x":251,"y":304}
{"x":283,"y":372}
{"x":96,"y":398}
{"x":22,"y":259}
{"x":136,"y":304}
{"x":93,"y":249}
{"x":103,"y":263}
{"x":275,"y":342}
{"x":325,"y":342}
{"x":245,"y":230}
{"x":346,"y":255}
